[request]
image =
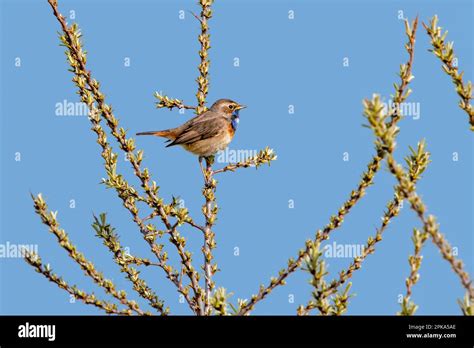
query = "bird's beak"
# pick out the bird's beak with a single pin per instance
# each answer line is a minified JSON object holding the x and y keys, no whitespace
{"x":240,"y":107}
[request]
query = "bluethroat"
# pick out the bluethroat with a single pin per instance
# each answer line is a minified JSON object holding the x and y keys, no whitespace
{"x":207,"y":133}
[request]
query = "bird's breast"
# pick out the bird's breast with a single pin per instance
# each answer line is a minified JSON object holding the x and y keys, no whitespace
{"x":231,"y":129}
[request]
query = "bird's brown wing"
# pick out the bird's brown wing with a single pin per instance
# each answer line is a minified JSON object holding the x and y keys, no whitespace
{"x":202,"y":129}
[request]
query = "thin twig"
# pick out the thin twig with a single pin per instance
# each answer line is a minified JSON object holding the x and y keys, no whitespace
{"x":430,"y":225}
{"x":419,"y":239}
{"x":50,"y":220}
{"x":110,"y":308}
{"x":417,"y":162}
{"x":445,"y":53}
{"x":385,"y":136}
{"x":205,"y":42}
{"x":264,"y":156}
{"x":170,"y":103}
{"x":111,"y":240}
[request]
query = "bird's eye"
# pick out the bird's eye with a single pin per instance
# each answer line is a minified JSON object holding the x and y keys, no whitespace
{"x":231,"y":106}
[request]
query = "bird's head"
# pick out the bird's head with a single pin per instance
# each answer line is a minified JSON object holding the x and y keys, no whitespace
{"x":227,"y":107}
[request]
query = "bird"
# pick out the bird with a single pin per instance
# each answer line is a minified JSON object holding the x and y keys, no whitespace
{"x":206,"y":133}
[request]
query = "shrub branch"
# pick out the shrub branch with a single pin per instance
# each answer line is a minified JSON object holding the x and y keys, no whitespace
{"x":401,"y":93}
{"x":417,"y":162}
{"x":385,"y":136}
{"x":419,"y":238}
{"x":111,"y":240}
{"x":445,"y":52}
{"x":110,"y":308}
{"x":169,"y":103}
{"x":264,"y":156}
{"x":49,"y":218}
{"x":205,"y":42}
{"x":90,"y":93}
{"x":209,"y":210}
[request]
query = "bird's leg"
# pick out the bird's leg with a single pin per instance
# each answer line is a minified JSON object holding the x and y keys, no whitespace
{"x":202,"y":168}
{"x":209,"y":163}
{"x":206,"y":172}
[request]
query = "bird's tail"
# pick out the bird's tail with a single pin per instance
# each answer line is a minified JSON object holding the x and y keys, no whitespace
{"x":168,"y":133}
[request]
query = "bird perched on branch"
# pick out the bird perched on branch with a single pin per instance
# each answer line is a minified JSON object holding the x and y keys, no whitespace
{"x":207,"y":133}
